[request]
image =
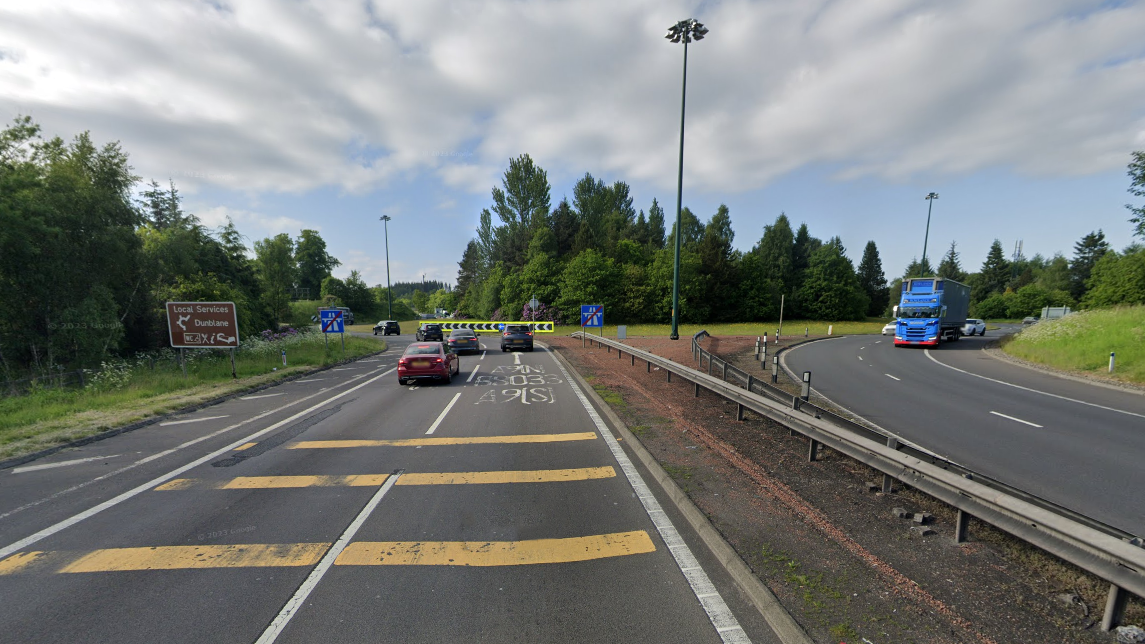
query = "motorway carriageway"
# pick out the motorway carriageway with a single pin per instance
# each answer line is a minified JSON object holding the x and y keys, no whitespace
{"x":1077,"y":444}
{"x":343,"y":507}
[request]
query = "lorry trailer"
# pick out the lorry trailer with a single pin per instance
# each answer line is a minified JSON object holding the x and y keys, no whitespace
{"x":931,"y":309}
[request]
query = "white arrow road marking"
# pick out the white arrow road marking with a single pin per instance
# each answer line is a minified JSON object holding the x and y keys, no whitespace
{"x":48,"y":466}
{"x":433,"y":427}
{"x":1017,"y":420}
{"x":891,"y":377}
{"x":190,"y":420}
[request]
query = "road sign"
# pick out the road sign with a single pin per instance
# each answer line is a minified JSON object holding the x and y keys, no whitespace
{"x":332,"y":321}
{"x":534,"y":304}
{"x":493,"y":327}
{"x":591,"y":315}
{"x":203,"y":325}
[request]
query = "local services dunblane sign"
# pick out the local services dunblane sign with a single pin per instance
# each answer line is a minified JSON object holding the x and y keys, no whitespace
{"x":203,"y":325}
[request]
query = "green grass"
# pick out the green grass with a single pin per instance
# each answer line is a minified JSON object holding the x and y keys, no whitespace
{"x":1082,"y":342}
{"x":126,"y":392}
{"x":790,"y":328}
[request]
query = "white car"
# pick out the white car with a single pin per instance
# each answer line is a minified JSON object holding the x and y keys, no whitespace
{"x":974,"y":327}
{"x":890,"y":328}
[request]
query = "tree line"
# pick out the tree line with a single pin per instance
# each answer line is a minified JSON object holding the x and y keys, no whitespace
{"x":86,"y":266}
{"x":598,"y":249}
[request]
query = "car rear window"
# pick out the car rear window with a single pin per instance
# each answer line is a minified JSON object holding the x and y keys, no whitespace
{"x":461,"y":333}
{"x":517,"y":328}
{"x":423,"y":349}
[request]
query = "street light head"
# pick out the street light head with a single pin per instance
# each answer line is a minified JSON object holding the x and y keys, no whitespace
{"x":933,"y":195}
{"x":686,"y":31}
{"x":385,"y":218}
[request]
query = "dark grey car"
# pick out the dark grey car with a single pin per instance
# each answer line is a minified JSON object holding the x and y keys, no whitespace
{"x":517,"y":336}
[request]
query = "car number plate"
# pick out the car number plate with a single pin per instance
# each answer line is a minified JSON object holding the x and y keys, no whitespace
{"x":421,"y":363}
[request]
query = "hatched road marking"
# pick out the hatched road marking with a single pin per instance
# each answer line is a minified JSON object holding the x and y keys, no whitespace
{"x":191,"y":420}
{"x":475,"y":370}
{"x":360,"y":553}
{"x":495,"y":553}
{"x":443,"y":440}
{"x":1017,"y":420}
{"x":49,"y":466}
{"x":374,"y":480}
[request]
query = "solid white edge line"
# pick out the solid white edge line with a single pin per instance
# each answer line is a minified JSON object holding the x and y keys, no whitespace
{"x":90,"y":512}
{"x":1036,"y":391}
{"x":433,"y":427}
{"x":475,"y":370}
{"x":892,"y":377}
{"x":261,"y":396}
{"x":290,"y":609}
{"x":1018,"y":420}
{"x":721,"y":617}
{"x":48,"y":466}
{"x":192,"y":420}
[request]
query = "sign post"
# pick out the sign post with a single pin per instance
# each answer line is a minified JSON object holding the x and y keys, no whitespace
{"x":203,"y":325}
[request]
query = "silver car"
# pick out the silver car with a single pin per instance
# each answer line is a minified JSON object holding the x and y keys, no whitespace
{"x":974,"y":327}
{"x":890,"y":328}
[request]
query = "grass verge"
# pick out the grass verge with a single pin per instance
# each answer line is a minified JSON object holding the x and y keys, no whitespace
{"x":1082,"y":342}
{"x":125,"y":392}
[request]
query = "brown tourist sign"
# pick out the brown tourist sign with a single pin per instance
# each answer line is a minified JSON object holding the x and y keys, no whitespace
{"x":203,"y":325}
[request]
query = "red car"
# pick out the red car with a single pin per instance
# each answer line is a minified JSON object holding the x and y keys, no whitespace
{"x":427,"y":360}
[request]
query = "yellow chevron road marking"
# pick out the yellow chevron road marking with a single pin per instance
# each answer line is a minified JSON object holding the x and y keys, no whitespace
{"x":494,"y":553}
{"x":526,"y":476}
{"x":254,"y":555}
{"x":375,"y":480}
{"x":445,"y":440}
{"x":361,"y":553}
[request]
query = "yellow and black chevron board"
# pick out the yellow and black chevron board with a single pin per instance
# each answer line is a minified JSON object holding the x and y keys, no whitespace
{"x":494,"y":327}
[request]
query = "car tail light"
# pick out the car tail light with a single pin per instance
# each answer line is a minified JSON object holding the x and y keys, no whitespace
{"x":530,"y":333}
{"x":437,"y":360}
{"x":403,"y":362}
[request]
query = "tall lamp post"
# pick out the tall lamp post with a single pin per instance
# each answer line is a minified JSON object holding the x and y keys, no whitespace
{"x":930,"y":199}
{"x":389,"y":295}
{"x":684,"y":31}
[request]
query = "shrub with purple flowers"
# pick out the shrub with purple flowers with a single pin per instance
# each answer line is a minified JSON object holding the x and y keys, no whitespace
{"x":286,"y":333}
{"x":543,"y":314}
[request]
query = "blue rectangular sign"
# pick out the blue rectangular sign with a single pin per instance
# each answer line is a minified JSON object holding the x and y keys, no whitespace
{"x":591,"y":315}
{"x":332,"y":321}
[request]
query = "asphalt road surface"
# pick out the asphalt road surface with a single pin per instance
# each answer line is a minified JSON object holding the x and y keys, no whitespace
{"x":343,"y":507}
{"x":1076,"y":444}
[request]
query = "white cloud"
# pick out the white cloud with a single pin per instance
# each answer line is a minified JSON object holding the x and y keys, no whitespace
{"x":286,"y":97}
{"x":255,"y":224}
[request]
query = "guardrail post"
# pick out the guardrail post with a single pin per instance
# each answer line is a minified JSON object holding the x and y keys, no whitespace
{"x":697,"y":390}
{"x":750,"y":381}
{"x":806,"y":392}
{"x":648,"y":363}
{"x":669,"y":375}
{"x":812,"y":450}
{"x":775,"y":370}
{"x":962,"y":527}
{"x":888,"y":480}
{"x":739,"y":411}
{"x":1114,"y":607}
{"x":633,"y":356}
{"x":709,"y":364}
{"x":724,"y":370}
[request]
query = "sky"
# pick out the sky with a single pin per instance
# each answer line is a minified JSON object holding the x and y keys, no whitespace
{"x":282,"y":115}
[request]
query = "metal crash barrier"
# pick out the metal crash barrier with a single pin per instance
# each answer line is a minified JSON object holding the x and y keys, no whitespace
{"x":1105,"y":551}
